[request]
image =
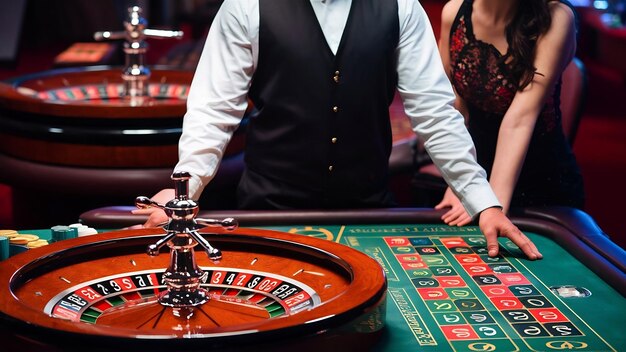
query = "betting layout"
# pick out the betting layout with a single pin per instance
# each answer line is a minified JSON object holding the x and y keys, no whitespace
{"x":446,"y":293}
{"x":452,"y":300}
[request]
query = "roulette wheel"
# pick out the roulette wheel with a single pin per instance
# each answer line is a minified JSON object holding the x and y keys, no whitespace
{"x":78,"y":117}
{"x":256,"y":289}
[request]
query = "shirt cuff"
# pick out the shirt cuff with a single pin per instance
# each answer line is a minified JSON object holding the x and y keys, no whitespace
{"x":478,"y":198}
{"x":195,"y":187}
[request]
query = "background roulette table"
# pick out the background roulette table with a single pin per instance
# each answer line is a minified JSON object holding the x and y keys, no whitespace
{"x":69,"y":132}
{"x":443,"y":292}
{"x":46,"y":115}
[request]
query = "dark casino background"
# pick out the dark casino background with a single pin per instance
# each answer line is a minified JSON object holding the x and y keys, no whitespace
{"x":37,"y":35}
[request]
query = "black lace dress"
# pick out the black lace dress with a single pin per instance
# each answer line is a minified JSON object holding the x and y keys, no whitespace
{"x":550,"y":175}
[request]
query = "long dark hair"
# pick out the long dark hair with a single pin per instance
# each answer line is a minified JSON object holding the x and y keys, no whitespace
{"x":532,"y":20}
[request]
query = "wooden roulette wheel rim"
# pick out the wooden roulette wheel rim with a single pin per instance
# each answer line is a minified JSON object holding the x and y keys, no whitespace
{"x":78,"y":117}
{"x":92,"y":125}
{"x":353,"y":306}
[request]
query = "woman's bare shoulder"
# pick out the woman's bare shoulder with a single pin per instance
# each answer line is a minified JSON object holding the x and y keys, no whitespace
{"x":561,"y":13}
{"x":449,"y":11}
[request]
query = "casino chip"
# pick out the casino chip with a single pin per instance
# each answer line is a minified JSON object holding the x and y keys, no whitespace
{"x":37,"y":244}
{"x":61,"y":232}
{"x":12,"y":242}
{"x":83,"y":230}
{"x":8,"y":233}
{"x":569,"y":291}
{"x":4,"y":247}
{"x":23,"y":239}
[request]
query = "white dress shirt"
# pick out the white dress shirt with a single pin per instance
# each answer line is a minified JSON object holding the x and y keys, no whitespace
{"x":218,"y":94}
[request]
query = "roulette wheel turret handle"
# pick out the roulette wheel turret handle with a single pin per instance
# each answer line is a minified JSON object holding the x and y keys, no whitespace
{"x":143,"y":202}
{"x":182,"y":213}
{"x":227,"y":223}
{"x":183,"y":277}
{"x":135,"y":73}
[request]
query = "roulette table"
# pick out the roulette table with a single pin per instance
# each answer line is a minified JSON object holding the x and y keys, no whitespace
{"x":443,"y":293}
{"x":68,"y":132}
{"x":79,"y":117}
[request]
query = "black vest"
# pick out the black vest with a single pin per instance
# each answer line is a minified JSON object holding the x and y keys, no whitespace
{"x":323,"y":120}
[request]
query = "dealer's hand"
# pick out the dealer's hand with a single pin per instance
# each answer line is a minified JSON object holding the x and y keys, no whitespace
{"x":493,"y":223}
{"x":456,"y":215}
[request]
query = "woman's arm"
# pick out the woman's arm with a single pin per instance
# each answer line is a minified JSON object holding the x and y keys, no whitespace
{"x":555,"y":50}
{"x":448,"y":14}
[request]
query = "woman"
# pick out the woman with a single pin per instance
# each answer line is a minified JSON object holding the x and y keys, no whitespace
{"x":505,"y":59}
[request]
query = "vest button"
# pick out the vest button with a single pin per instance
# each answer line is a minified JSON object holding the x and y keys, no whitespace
{"x":336,"y":77}
{"x":333,"y":140}
{"x":335,"y":108}
{"x":330,"y":168}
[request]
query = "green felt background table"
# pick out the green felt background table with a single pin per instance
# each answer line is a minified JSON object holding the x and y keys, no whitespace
{"x":444,"y":294}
